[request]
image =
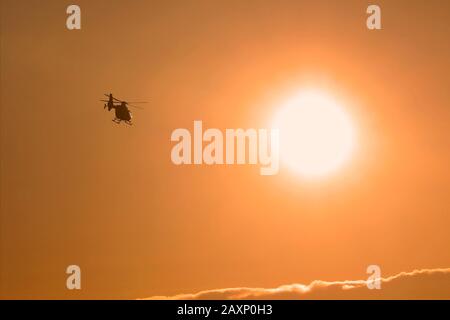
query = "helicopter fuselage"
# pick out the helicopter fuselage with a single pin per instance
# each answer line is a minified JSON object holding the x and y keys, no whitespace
{"x":122,"y":112}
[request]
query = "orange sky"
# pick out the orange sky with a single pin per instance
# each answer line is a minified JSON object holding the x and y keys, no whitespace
{"x":78,"y":189}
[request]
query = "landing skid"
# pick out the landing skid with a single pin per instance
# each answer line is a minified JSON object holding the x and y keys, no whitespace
{"x":118,"y":121}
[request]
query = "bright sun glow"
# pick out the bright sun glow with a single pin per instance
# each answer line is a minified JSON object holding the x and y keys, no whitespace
{"x":316,"y":134}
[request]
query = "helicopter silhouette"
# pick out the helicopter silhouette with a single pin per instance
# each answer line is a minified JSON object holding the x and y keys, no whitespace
{"x":122,"y":113}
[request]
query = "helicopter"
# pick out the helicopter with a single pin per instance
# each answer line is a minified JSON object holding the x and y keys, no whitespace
{"x":122,"y":113}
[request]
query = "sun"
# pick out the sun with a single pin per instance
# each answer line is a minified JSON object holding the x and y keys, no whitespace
{"x":317,"y":135}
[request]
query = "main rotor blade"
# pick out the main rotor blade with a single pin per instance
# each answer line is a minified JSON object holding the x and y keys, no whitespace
{"x":137,"y":107}
{"x":118,"y":100}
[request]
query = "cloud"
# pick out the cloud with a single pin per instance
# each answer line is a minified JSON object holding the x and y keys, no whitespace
{"x":418,"y":284}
